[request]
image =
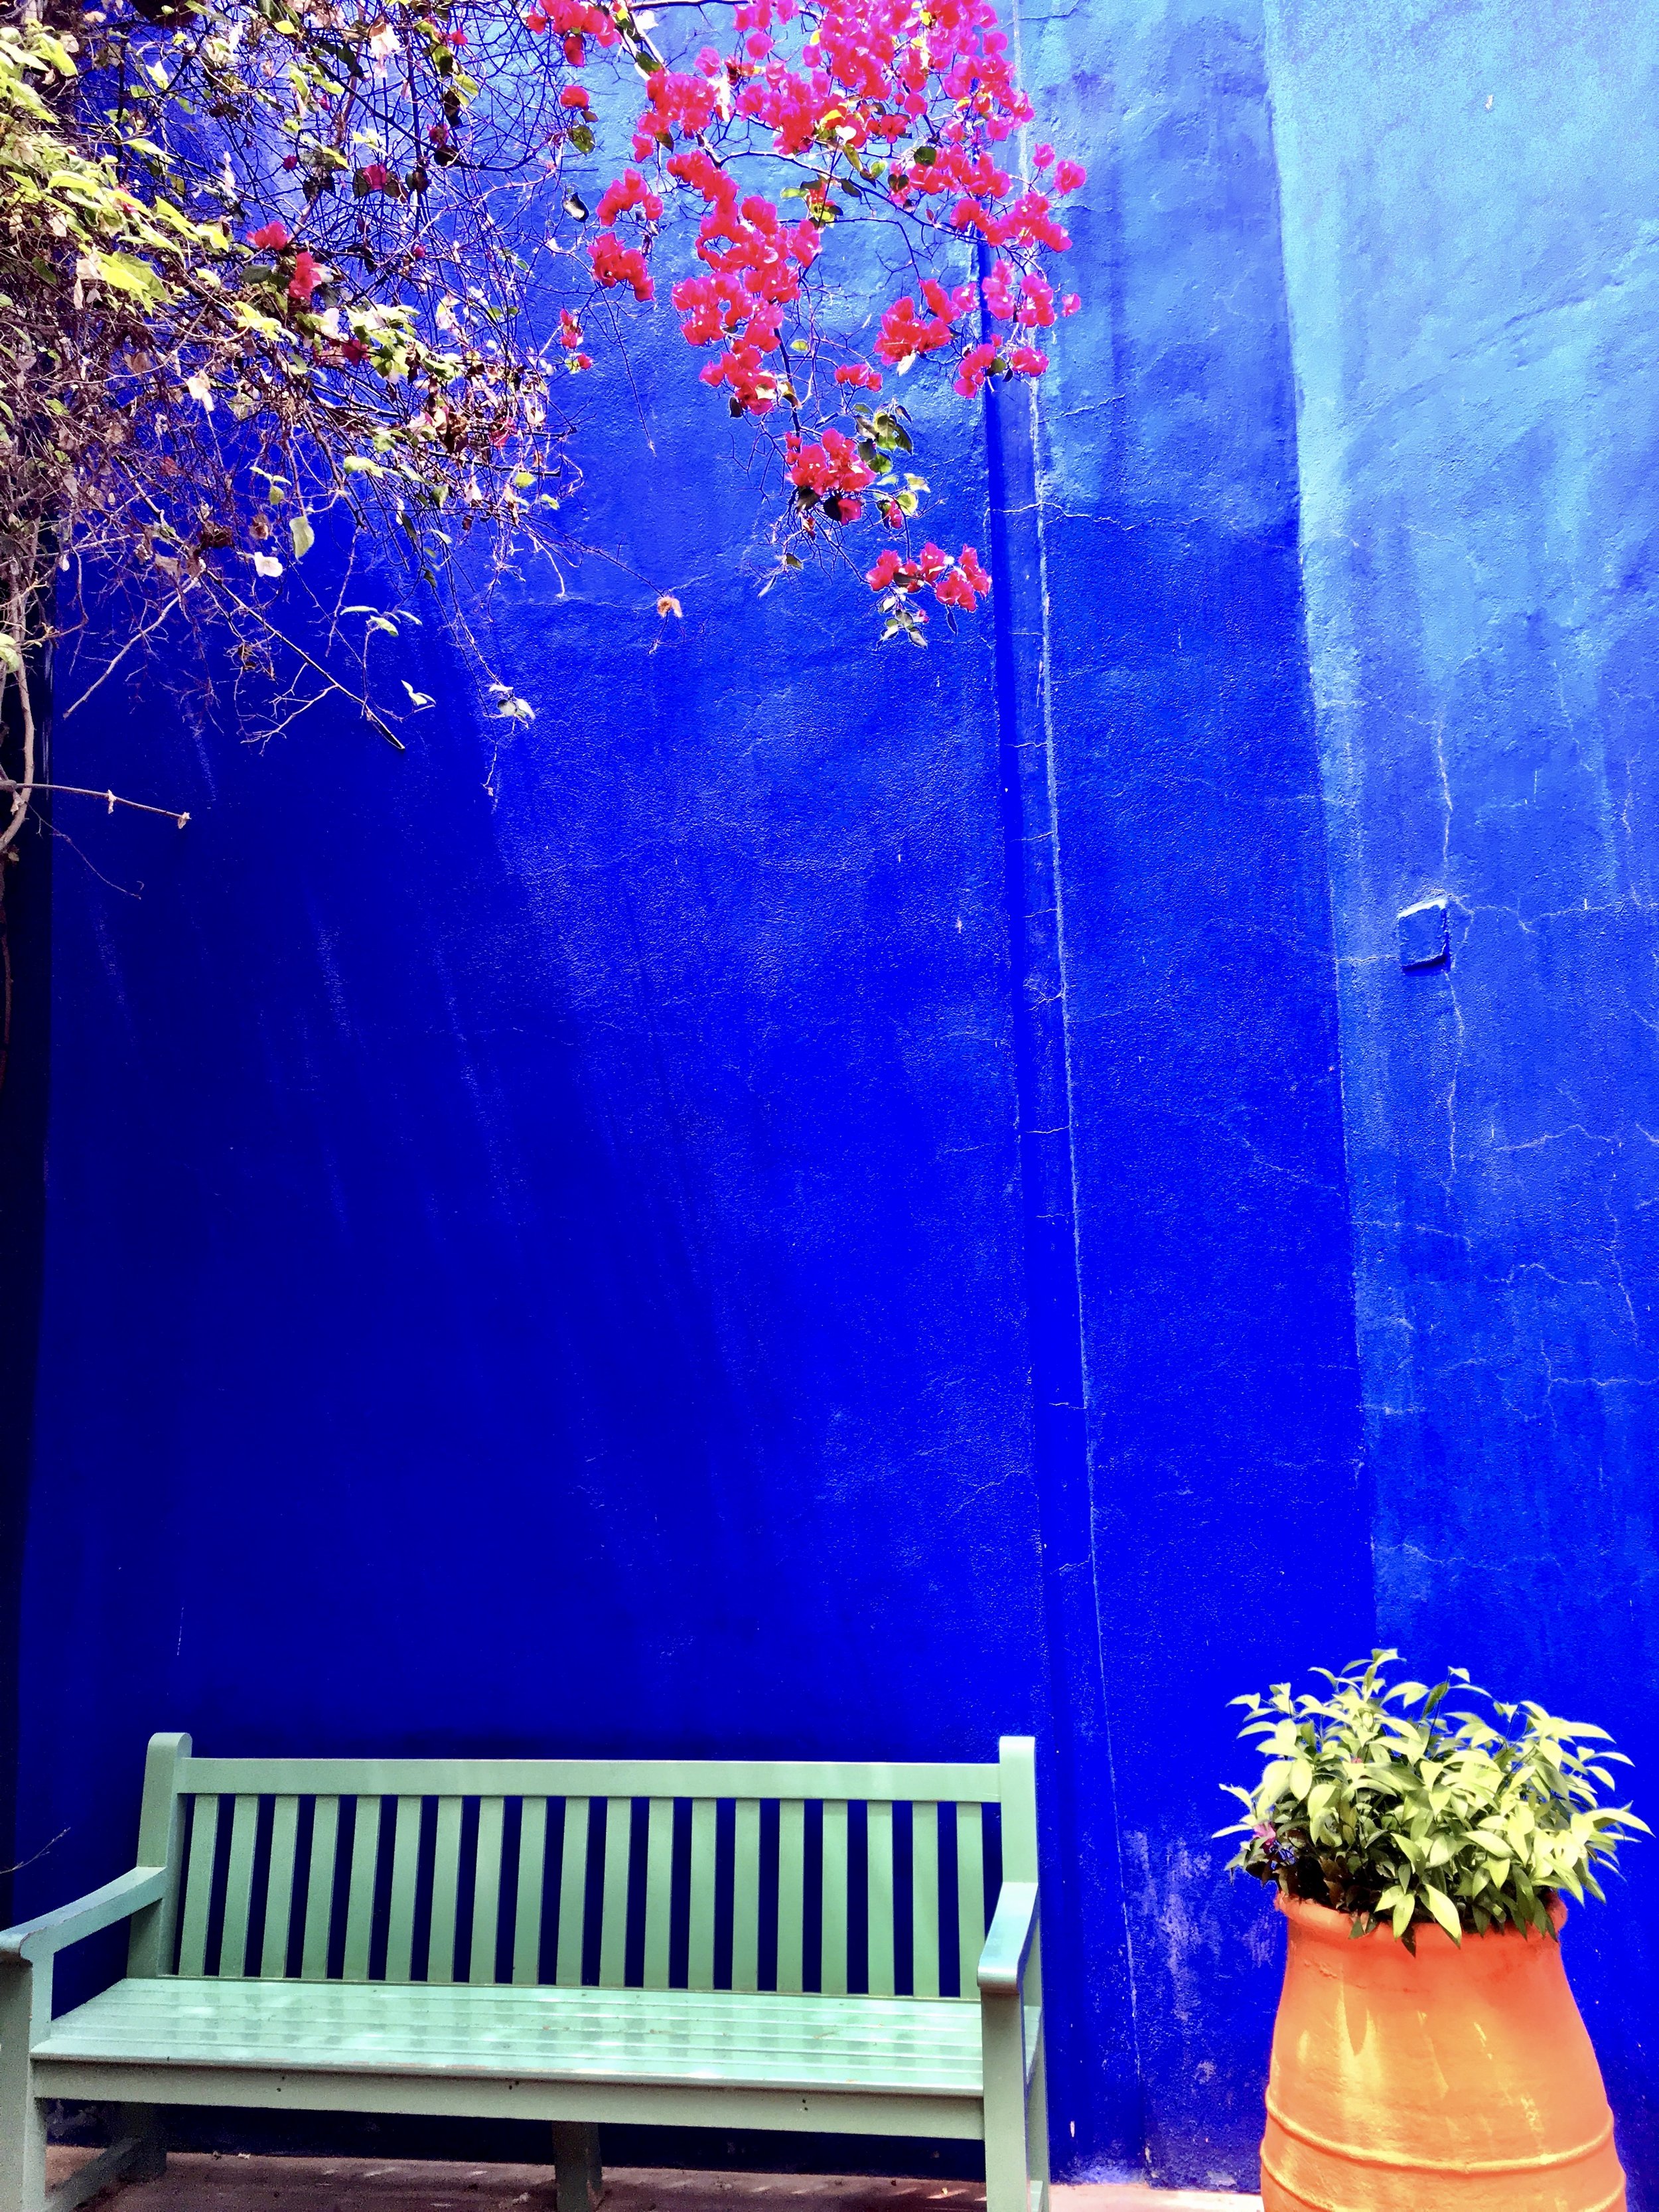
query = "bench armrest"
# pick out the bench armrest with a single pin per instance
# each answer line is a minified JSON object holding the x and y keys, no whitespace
{"x":1008,"y":1945}
{"x":33,"y":1939}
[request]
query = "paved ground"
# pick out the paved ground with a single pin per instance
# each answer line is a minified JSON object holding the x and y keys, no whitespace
{"x":197,"y":2182}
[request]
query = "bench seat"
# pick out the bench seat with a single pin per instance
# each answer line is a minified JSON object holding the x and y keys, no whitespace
{"x":239,"y":2041}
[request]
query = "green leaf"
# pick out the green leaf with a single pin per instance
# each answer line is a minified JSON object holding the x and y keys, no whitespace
{"x":1443,"y":1910}
{"x":304,"y":536}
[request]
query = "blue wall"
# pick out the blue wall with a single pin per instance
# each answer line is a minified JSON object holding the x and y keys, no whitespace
{"x":800,"y":1202}
{"x":1223,"y":1438}
{"x":1471,"y":196}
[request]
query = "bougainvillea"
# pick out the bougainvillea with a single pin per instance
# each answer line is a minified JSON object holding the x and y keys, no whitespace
{"x":273,"y":266}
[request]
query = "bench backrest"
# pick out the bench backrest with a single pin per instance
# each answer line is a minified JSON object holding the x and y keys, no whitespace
{"x":705,"y":1875}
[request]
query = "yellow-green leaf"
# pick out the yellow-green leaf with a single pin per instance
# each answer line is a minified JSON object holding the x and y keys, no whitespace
{"x":1443,"y":1910}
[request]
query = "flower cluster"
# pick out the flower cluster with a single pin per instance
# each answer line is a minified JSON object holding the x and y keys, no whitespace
{"x":831,"y":472}
{"x":272,"y":258}
{"x":898,"y":111}
{"x":953,"y":583}
{"x":756,"y":262}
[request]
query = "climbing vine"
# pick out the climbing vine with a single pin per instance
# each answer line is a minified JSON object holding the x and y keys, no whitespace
{"x":274,"y":268}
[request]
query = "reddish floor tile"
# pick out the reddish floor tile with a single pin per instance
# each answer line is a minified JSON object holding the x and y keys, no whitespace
{"x":195,"y":2182}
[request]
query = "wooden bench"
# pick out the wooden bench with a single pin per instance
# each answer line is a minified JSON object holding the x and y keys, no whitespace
{"x":729,"y":1943}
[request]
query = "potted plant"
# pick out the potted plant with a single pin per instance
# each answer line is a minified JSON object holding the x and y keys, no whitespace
{"x":1428,"y":2053}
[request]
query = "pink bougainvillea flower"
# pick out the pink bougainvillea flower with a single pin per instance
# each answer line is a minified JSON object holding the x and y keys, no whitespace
{"x":617,"y":264}
{"x":306,"y":277}
{"x":1036,"y":302}
{"x":998,"y":290}
{"x":272,"y":235}
{"x":574,"y":96}
{"x":827,"y":467}
{"x":969,"y":563}
{"x":862,"y":82}
{"x":975,"y":366}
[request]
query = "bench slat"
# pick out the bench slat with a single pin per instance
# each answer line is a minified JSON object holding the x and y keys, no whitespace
{"x":486,"y":1890}
{"x":924,"y":1901}
{"x":319,"y":1888}
{"x":832,"y":1952}
{"x":791,"y":1893}
{"x":152,"y":1938}
{"x":532,"y":1871}
{"x":700,"y":1944}
{"x":360,"y":1898}
{"x":970,"y":1897}
{"x":593,"y":1777}
{"x":878,"y":1883}
{"x":572,"y":1892}
{"x":405,"y":1877}
{"x":613,"y":1924}
{"x":658,"y":1890}
{"x":198,"y":1887}
{"x":279,"y":1887}
{"x":446,"y":1891}
{"x":746,"y":1896}
{"x":239,"y":1887}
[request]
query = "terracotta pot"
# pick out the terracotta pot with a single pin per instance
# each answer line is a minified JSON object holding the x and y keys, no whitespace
{"x":1462,"y":2079}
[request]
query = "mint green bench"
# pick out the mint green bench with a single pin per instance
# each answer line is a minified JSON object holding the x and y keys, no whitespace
{"x":571,"y":1940}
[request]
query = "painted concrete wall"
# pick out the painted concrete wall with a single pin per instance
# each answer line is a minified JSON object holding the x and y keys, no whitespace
{"x":1471,"y":200}
{"x":773,"y":1225}
{"x":801,"y":1203}
{"x":1201,"y":1041}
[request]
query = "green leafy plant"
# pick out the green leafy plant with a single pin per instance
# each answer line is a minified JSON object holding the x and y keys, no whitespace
{"x":1380,"y":1802}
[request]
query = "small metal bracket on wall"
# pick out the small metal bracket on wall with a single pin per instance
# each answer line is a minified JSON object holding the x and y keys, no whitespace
{"x":1424,"y":935}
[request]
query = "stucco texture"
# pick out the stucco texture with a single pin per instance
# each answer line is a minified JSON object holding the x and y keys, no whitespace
{"x":837,"y":1200}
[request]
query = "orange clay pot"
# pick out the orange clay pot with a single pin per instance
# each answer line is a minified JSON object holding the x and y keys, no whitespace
{"x":1459,"y":2080}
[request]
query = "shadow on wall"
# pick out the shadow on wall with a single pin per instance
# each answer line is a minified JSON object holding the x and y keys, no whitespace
{"x":25,"y":1034}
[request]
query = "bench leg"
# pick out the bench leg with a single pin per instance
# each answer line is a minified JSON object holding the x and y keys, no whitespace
{"x":1036,"y":2128}
{"x":577,"y":2177}
{"x":22,"y":2116}
{"x":141,"y":2126}
{"x":22,"y":2151}
{"x":1008,"y":2108}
